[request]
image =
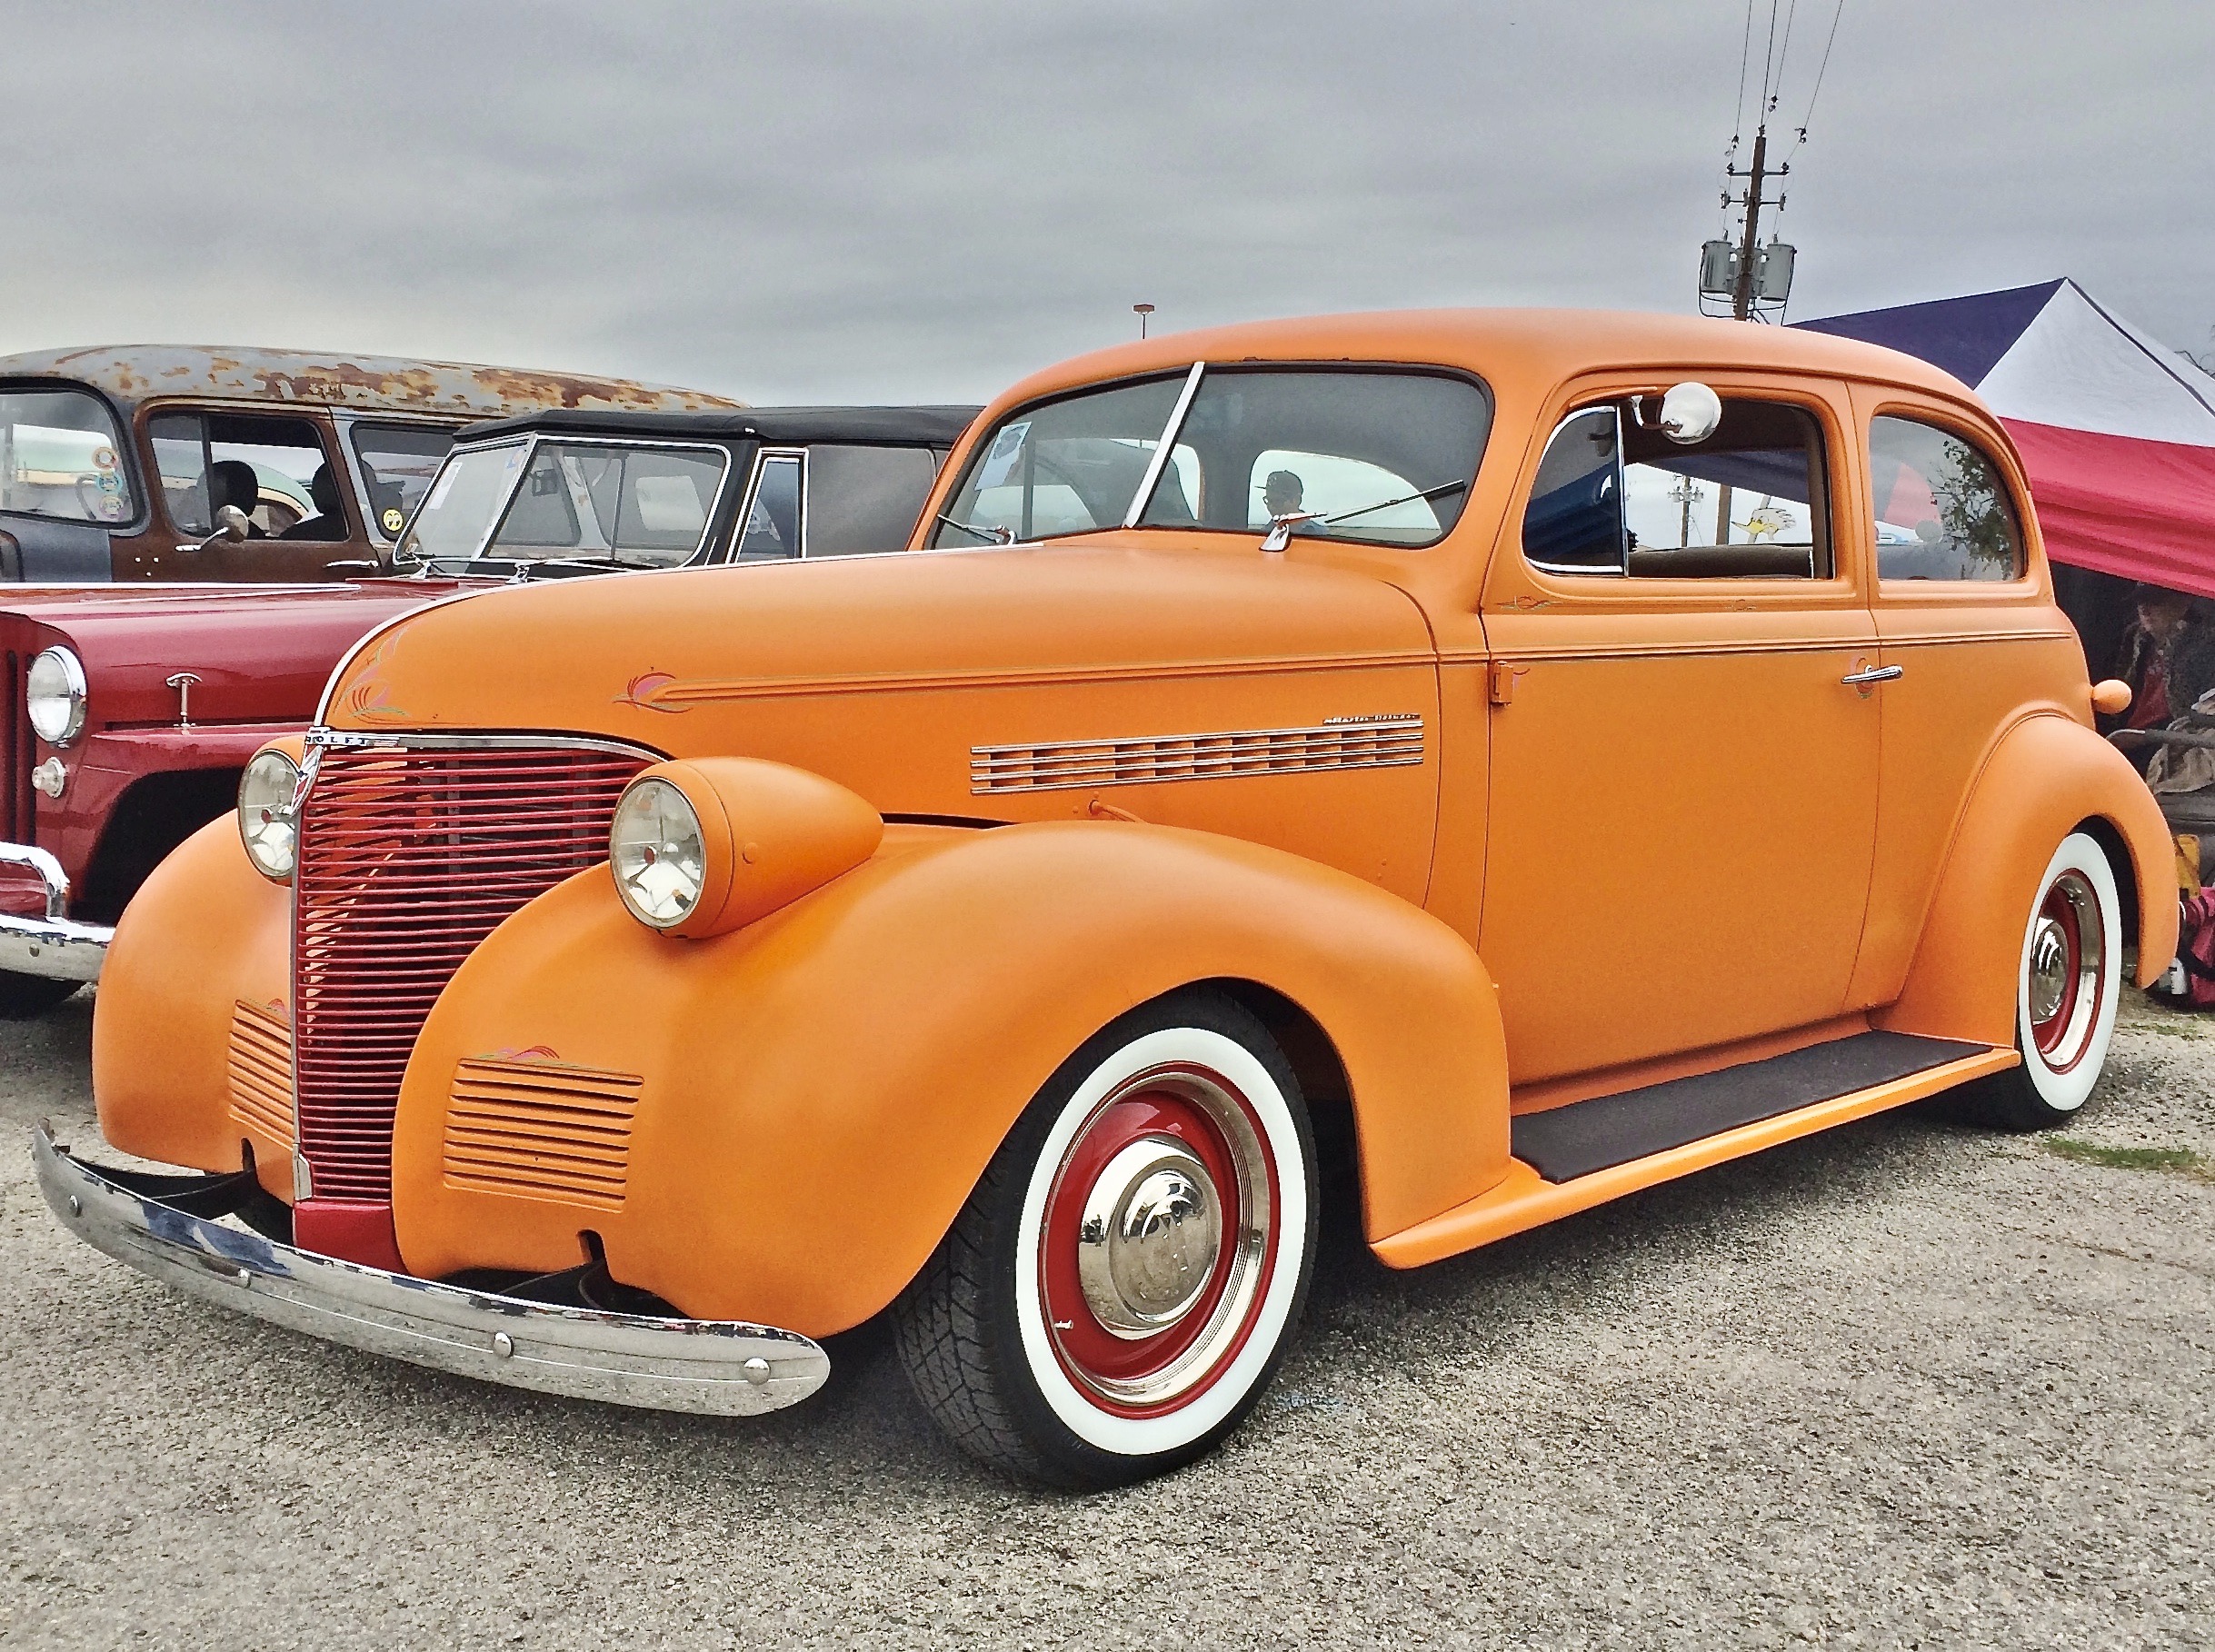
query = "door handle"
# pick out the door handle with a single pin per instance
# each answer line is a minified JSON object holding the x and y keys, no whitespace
{"x":1875,"y":673}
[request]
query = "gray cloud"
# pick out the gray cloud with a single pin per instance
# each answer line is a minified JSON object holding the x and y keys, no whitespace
{"x":863,"y":200}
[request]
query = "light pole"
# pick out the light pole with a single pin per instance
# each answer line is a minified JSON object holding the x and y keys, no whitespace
{"x":1144,"y":311}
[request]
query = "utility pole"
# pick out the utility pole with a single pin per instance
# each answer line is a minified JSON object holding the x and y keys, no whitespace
{"x":1741,"y":298}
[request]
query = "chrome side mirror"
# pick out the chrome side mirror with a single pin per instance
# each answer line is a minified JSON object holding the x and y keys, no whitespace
{"x":231,"y":525}
{"x":1691,"y":413}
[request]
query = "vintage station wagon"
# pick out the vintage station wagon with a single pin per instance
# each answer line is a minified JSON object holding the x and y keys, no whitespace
{"x":1529,"y":756}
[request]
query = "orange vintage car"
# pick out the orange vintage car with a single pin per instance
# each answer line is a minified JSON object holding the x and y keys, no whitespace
{"x":1530,"y":755}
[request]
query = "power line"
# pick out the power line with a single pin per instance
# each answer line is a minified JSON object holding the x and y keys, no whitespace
{"x":1745,"y":50}
{"x":1806,"y":119}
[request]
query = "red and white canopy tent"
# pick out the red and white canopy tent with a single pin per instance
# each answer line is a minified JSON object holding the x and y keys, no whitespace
{"x":2117,"y":430}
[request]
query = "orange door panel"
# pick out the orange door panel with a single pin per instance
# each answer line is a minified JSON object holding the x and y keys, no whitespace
{"x":1682,"y":818}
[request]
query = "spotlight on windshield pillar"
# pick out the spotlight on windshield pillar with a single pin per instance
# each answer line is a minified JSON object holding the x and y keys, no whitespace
{"x":1144,"y":311}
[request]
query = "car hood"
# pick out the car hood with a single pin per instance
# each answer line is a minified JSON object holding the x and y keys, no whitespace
{"x":884,"y":671}
{"x":261,"y":652}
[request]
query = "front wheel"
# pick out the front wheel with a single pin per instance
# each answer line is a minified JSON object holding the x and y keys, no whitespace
{"x":1122,"y":1281}
{"x":2067,"y":988}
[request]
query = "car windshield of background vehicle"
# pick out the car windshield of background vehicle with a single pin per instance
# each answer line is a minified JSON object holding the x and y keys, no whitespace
{"x":271,"y":467}
{"x":630,"y":507}
{"x":463,"y":501}
{"x":1942,"y":509}
{"x":1375,"y":456}
{"x":398,"y":462}
{"x":59,"y":457}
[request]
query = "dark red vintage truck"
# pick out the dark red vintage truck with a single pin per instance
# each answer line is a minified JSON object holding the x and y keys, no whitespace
{"x":127,"y":714}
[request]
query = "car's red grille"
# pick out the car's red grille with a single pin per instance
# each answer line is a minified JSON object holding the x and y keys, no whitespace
{"x":16,"y":748}
{"x":408,"y":859}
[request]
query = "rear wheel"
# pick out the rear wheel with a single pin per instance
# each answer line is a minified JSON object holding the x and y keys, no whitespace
{"x":1122,"y":1283}
{"x":2067,"y":988}
{"x":22,"y":997}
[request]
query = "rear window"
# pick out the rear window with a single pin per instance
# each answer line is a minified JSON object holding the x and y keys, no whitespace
{"x":398,"y":462}
{"x":60,"y":457}
{"x":1941,"y":506}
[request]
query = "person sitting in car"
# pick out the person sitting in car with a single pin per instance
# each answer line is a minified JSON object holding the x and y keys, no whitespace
{"x":330,"y":519}
{"x":232,"y":482}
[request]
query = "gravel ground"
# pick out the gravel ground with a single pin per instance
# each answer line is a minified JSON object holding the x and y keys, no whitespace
{"x":1906,"y":1385}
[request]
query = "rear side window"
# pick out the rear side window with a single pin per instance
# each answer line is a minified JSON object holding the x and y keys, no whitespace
{"x":1615,"y":496}
{"x":60,"y":457}
{"x":1942,"y":508}
{"x":398,"y":462}
{"x":863,"y":499}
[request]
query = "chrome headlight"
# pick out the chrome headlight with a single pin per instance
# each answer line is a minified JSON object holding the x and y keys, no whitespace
{"x":265,"y":815}
{"x":658,"y":853}
{"x":53,"y":695}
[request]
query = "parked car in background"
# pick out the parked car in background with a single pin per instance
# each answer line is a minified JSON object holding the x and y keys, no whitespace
{"x":118,"y":462}
{"x":128,"y":714}
{"x":1468,"y":765}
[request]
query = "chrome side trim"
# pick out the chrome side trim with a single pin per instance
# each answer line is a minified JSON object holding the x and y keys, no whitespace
{"x":364,"y":740}
{"x":1386,"y":741}
{"x":720,"y":1368}
{"x":55,"y":946}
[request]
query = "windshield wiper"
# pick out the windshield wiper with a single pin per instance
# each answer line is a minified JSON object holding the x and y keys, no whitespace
{"x":1439,"y":491}
{"x":991,"y":536}
{"x":576,"y":564}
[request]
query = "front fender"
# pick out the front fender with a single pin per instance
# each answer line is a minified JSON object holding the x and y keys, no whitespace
{"x":817,"y":1094}
{"x":2045,"y":776}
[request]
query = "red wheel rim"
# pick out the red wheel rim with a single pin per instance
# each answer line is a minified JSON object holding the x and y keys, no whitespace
{"x":1193,"y":1117}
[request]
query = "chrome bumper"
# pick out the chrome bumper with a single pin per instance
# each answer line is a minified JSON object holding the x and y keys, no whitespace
{"x":54,"y":946}
{"x":722,"y":1368}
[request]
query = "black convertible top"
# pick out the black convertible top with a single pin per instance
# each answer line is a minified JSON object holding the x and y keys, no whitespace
{"x":866,"y":426}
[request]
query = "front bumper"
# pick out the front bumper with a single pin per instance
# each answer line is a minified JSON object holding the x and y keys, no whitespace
{"x":54,"y":946}
{"x":721,"y":1367}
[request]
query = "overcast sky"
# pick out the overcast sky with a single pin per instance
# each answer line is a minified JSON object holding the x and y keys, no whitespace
{"x":894,"y":200}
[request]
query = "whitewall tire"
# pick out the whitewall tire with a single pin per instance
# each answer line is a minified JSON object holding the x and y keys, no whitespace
{"x":1122,"y":1283}
{"x":2068,"y":981}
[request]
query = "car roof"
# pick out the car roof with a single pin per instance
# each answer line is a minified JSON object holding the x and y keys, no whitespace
{"x":934,"y":426}
{"x":382,"y":384}
{"x":1528,"y":349}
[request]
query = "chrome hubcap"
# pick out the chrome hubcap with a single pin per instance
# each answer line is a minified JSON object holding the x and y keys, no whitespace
{"x":1152,"y":1229}
{"x":2050,"y":970}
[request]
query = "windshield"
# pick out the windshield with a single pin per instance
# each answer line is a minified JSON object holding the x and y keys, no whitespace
{"x":59,"y":457}
{"x":639,"y":507}
{"x":463,"y":502}
{"x":1377,"y":456}
{"x":630,"y":507}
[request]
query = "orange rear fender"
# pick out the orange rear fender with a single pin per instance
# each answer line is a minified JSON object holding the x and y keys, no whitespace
{"x":2045,"y":776}
{"x":817,"y":1094}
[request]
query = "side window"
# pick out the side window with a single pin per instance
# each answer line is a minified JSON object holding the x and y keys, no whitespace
{"x":60,"y":457}
{"x":863,"y":499}
{"x":772,"y":528}
{"x":398,"y":461}
{"x":1943,"y":510}
{"x":274,"y":469}
{"x":1615,"y":496}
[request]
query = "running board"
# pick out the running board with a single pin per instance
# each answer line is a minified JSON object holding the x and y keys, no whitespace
{"x":1773,"y":1093}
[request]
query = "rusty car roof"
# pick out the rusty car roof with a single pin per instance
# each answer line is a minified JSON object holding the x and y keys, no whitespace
{"x":932,"y":426}
{"x":139,"y":373}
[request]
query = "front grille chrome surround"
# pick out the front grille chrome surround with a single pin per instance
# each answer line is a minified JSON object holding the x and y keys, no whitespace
{"x":412,"y":848}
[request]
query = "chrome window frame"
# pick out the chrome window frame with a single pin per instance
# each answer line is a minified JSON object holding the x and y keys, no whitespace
{"x":1583,"y":570}
{"x":730,"y":557}
{"x":531,"y":440}
{"x":343,"y":424}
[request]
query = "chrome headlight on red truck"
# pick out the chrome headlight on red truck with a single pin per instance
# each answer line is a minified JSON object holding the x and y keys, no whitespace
{"x":53,"y":696}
